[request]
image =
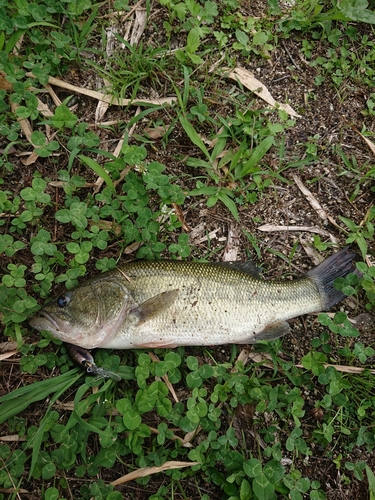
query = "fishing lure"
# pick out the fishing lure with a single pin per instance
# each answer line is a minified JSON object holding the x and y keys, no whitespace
{"x":83,"y":358}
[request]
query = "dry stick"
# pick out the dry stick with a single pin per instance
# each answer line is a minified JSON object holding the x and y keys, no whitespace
{"x":314,"y":202}
{"x":290,"y":55}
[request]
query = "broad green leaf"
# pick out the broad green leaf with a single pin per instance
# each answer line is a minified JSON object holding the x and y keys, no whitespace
{"x":242,"y":37}
{"x":252,"y":467}
{"x":356,"y":10}
{"x":193,"y":40}
{"x":63,"y":117}
{"x":263,"y":489}
{"x":260,"y":38}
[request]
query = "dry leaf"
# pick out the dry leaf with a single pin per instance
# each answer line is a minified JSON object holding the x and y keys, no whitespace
{"x":369,"y":143}
{"x":24,"y":123}
{"x":43,"y":108}
{"x":155,"y":132}
{"x":343,"y":368}
{"x":310,"y":198}
{"x":30,"y":159}
{"x":55,"y":98}
{"x":233,"y":241}
{"x":4,"y":84}
{"x":147,"y":471}
{"x":105,"y":97}
{"x":249,"y":81}
{"x":139,"y":26}
{"x":271,"y":228}
{"x":180,"y":215}
{"x":12,"y":438}
{"x":7,"y":355}
{"x":8,"y":346}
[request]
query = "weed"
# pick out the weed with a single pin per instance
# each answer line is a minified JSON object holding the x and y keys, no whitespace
{"x":184,"y":405}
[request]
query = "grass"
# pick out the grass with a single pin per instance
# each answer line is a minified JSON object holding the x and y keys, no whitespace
{"x":243,"y":428}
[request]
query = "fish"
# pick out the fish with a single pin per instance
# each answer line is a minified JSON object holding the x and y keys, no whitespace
{"x":170,"y":303}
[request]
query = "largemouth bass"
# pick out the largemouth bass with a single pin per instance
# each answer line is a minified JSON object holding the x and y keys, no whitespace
{"x":150,"y":304}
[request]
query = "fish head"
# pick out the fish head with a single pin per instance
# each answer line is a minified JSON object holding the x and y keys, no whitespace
{"x":87,"y":316}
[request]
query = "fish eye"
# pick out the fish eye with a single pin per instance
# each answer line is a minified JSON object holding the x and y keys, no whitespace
{"x":63,"y":300}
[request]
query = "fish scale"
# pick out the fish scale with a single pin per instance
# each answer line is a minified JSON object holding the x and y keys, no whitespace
{"x":146,"y":304}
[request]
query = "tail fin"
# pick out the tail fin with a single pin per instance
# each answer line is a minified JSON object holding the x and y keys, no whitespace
{"x":337,"y":265}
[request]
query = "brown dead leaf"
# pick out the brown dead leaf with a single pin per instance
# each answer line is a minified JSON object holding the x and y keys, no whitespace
{"x":55,"y":98}
{"x":271,"y":227}
{"x":12,"y":438}
{"x":8,"y":346}
{"x":4,"y":84}
{"x":180,"y":215}
{"x":7,"y":355}
{"x":106,"y":225}
{"x":147,"y":471}
{"x":100,"y":96}
{"x":314,"y":202}
{"x":310,"y":198}
{"x":24,"y":123}
{"x":369,"y":143}
{"x":248,"y":80}
{"x":344,"y":368}
{"x":155,"y":132}
{"x":30,"y":159}
{"x":233,"y":241}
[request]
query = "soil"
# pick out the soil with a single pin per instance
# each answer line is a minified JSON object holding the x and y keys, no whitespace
{"x":331,"y":117}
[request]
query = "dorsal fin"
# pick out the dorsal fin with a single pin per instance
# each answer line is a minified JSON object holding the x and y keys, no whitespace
{"x":247,"y":266}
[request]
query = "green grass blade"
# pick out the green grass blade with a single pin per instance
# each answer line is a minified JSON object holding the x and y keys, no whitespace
{"x":230,"y":204}
{"x":257,"y":155}
{"x":371,"y":482}
{"x":18,"y":400}
{"x":94,"y":165}
{"x":38,"y":439}
{"x":193,"y":136}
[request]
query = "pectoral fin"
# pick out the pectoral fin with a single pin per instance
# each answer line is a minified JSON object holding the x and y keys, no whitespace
{"x":270,"y":332}
{"x":154,"y":306}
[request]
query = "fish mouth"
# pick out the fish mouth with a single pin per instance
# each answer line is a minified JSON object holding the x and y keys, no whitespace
{"x":45,"y":322}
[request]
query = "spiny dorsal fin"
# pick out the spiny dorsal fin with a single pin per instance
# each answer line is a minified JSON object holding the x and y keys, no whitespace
{"x":247,"y":266}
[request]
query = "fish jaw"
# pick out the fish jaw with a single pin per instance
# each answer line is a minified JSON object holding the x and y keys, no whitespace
{"x":46,"y":322}
{"x":68,"y":332}
{"x":58,"y":327}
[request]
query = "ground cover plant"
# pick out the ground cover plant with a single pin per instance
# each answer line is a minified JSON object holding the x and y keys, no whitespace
{"x":212,"y":130}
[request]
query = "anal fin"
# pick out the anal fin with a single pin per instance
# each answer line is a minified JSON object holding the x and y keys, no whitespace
{"x":270,"y":332}
{"x":156,"y":344}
